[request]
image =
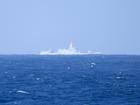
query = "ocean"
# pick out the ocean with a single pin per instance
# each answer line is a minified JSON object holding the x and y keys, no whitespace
{"x":70,"y":80}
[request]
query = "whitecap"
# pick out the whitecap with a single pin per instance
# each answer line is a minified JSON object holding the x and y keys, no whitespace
{"x":37,"y":79}
{"x":21,"y":91}
{"x":91,"y":66}
{"x":14,"y":77}
{"x":68,"y":68}
{"x":118,"y":77}
{"x":93,"y":63}
{"x":6,"y":72}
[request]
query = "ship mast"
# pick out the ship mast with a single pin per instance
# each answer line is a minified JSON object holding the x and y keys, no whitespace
{"x":71,"y":45}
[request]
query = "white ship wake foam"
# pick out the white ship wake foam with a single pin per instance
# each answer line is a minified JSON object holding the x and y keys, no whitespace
{"x":71,"y":50}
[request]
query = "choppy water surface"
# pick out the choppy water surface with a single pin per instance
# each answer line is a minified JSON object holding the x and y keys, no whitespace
{"x":69,"y":80}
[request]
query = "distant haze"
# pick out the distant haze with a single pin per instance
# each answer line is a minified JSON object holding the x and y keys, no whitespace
{"x":107,"y":26}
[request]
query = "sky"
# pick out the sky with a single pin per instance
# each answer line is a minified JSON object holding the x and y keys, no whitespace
{"x":107,"y":26}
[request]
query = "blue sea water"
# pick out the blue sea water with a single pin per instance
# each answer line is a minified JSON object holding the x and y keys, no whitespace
{"x":70,"y":80}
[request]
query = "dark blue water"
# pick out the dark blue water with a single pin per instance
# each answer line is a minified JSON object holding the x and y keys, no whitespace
{"x":69,"y":80}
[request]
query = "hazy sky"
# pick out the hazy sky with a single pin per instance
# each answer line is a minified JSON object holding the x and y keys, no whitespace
{"x":108,"y":26}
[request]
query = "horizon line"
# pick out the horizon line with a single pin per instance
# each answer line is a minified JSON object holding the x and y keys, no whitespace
{"x":64,"y":54}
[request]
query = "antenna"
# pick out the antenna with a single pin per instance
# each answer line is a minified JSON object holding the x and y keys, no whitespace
{"x":71,"y":45}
